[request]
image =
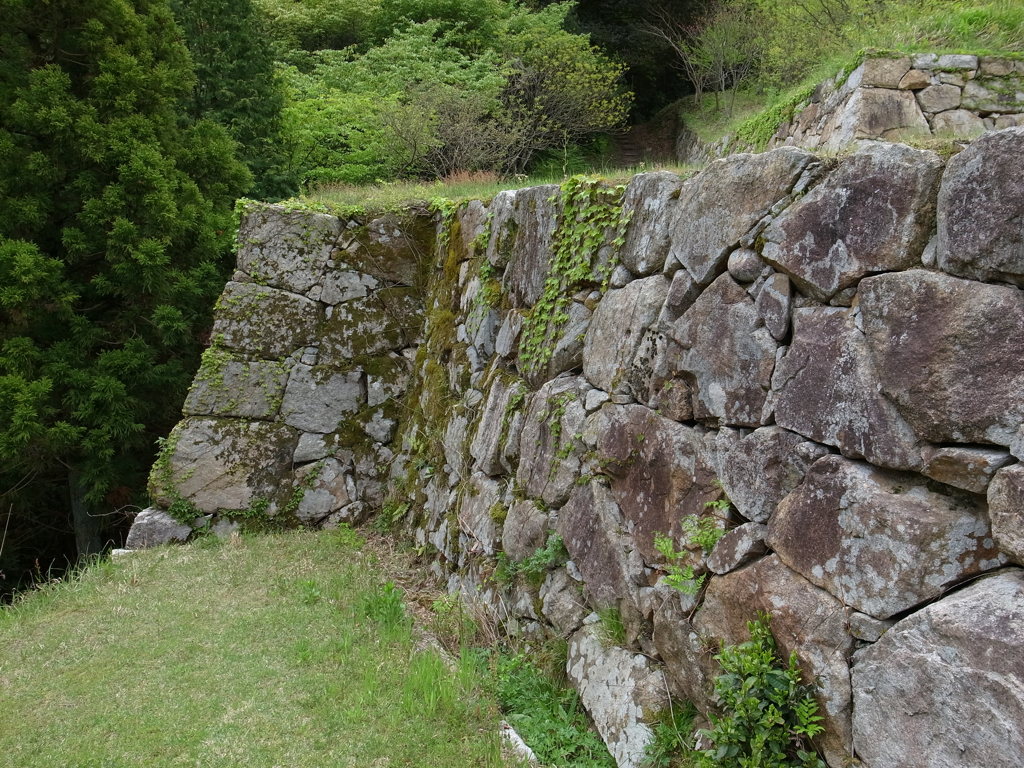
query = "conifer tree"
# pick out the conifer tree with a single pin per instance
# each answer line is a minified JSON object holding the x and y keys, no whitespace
{"x":116,"y":214}
{"x":236,"y":86}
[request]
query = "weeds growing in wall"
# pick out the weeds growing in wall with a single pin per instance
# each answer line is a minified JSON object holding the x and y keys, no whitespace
{"x":591,"y":228}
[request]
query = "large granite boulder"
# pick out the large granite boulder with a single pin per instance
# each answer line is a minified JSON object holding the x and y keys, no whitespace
{"x":223,"y":465}
{"x":874,"y":113}
{"x":949,"y":353}
{"x":759,"y":469}
{"x":942,"y":687}
{"x":287,"y":249}
{"x":591,"y":525}
{"x":621,"y":691}
{"x":981,"y":210}
{"x":649,"y":202}
{"x":549,"y":445}
{"x":881,"y":541}
{"x":319,"y":398}
{"x":265,"y":322}
{"x":385,"y":320}
{"x":226,"y":385}
{"x":524,"y":241}
{"x":804,"y":619}
{"x":729,"y":354}
{"x":873,"y":214}
{"x":153,"y":527}
{"x":718,"y":206}
{"x":617,"y":329}
{"x":659,"y":473}
{"x":826,"y":388}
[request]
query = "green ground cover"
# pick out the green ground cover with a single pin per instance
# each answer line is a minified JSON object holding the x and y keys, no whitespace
{"x":288,"y":650}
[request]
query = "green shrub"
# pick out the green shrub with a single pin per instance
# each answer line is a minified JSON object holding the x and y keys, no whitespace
{"x":768,"y":717}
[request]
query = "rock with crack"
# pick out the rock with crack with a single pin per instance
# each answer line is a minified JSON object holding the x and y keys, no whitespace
{"x":728,"y":354}
{"x":826,"y":388}
{"x":949,"y":353}
{"x":881,"y":541}
{"x":945,"y":683}
{"x":649,"y":202}
{"x":719,"y":205}
{"x":804,"y":619}
{"x":550,"y":447}
{"x":873,"y":214}
{"x":617,"y":329}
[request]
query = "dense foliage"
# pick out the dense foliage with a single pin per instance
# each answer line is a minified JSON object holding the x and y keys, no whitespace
{"x":237,"y":86}
{"x":116,"y":216}
{"x":428,"y":88}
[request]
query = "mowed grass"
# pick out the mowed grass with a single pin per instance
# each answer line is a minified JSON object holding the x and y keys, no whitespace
{"x":289,"y":650}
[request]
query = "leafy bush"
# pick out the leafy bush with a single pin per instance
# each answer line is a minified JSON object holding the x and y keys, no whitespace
{"x":768,"y":716}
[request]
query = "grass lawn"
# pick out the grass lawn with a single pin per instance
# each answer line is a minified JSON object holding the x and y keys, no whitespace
{"x":289,"y":650}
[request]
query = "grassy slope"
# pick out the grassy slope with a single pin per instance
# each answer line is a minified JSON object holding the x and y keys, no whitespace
{"x":253,"y":653}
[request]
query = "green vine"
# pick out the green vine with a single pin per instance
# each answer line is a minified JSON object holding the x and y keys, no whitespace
{"x":591,"y":218}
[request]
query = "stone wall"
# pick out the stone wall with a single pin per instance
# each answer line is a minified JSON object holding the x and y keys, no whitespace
{"x":833,"y":347}
{"x":896,"y":99}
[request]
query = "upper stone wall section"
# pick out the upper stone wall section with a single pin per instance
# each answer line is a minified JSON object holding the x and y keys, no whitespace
{"x":953,"y":96}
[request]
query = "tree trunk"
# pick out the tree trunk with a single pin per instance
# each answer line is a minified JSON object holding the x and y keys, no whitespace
{"x":88,"y":538}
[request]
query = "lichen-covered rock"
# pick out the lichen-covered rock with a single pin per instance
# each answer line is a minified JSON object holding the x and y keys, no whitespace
{"x":341,"y":285}
{"x":884,"y":72}
{"x":649,"y":201}
{"x":719,"y":205}
{"x":229,"y":386}
{"x":153,"y":527}
{"x":873,"y":214}
{"x":738,"y":547}
{"x":943,"y":685}
{"x":949,"y":353}
{"x":265,"y":322}
{"x":617,"y":328}
{"x":524,"y":241}
{"x":686,"y":654}
{"x":939,"y":98}
{"x":759,"y":469}
{"x":495,"y":428}
{"x":958,"y":124}
{"x":385,"y":320}
{"x":827,"y":389}
{"x":1006,"y":507}
{"x":223,"y":465}
{"x":745,"y":265}
{"x":964,"y":466}
{"x":658,"y":473}
{"x":525,"y":530}
{"x":981,"y":210}
{"x":387,"y":379}
{"x":477,"y":514}
{"x":549,"y":445}
{"x":562,"y":602}
{"x":287,"y":249}
{"x":655,"y":380}
{"x":874,"y":113}
{"x":318,"y":398}
{"x":591,"y":525}
{"x":728,"y":352}
{"x":567,"y":346}
{"x":804,"y":619}
{"x":880,"y":541}
{"x":994,"y":95}
{"x":322,"y":489}
{"x":621,"y":691}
